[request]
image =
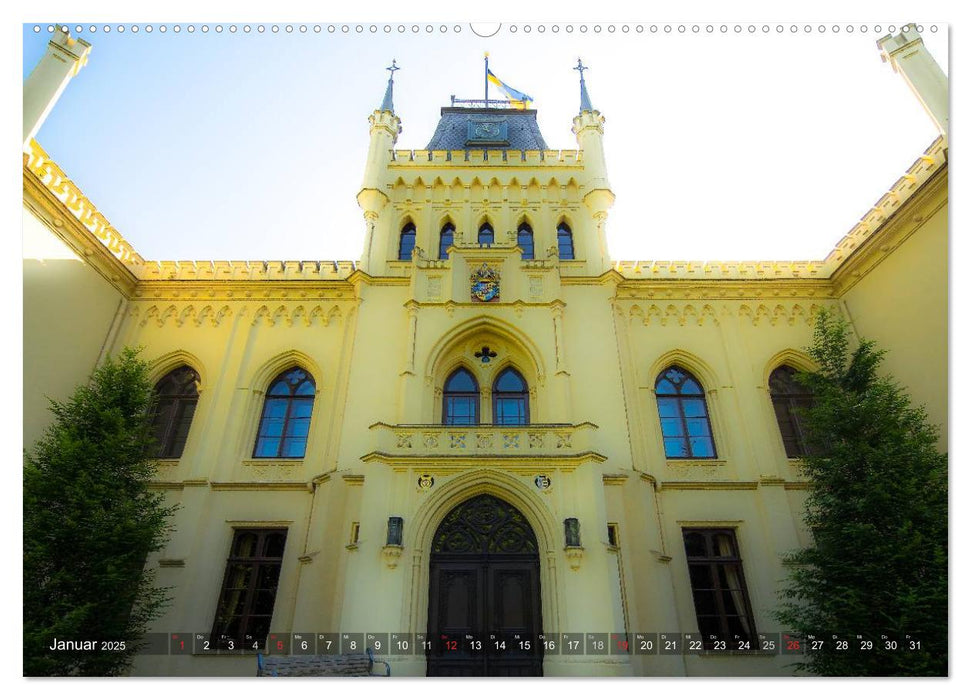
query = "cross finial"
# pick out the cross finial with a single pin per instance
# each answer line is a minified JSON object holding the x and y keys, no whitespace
{"x":585,"y":105}
{"x":387,"y":104}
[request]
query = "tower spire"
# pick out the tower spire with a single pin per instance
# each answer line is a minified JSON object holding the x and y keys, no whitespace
{"x":387,"y":104}
{"x":585,"y":105}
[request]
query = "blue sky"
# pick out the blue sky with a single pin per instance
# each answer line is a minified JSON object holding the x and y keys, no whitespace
{"x":732,"y":145}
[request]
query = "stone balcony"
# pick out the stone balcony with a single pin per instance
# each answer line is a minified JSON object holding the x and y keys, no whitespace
{"x":556,"y":444}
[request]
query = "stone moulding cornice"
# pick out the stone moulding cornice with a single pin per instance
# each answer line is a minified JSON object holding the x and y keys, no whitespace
{"x":453,"y":464}
{"x":244,"y":292}
{"x":707,"y":485}
{"x":261,"y":486}
{"x":716,"y":290}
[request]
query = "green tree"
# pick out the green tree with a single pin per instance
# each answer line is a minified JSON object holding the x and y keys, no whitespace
{"x":877,"y":511}
{"x":89,"y":524}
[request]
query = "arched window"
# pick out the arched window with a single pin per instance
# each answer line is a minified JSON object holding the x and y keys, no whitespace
{"x":177,"y":394}
{"x":285,"y":422}
{"x":486,"y":235}
{"x":461,"y":399}
{"x":684,"y":415}
{"x":407,"y":242}
{"x":510,"y":399}
{"x":524,"y":237}
{"x":446,"y":240}
{"x":564,"y":241}
{"x":789,"y":399}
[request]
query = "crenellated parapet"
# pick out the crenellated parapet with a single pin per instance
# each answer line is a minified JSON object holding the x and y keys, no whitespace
{"x":247,"y":270}
{"x":531,"y":158}
{"x":924,"y":168}
{"x":933,"y":160}
{"x":720,"y":269}
{"x":58,"y":184}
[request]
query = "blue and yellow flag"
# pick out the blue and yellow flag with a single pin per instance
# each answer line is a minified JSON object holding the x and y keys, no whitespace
{"x":519,"y":100}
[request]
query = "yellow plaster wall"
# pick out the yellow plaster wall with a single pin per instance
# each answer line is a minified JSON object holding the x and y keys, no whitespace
{"x":68,"y":312}
{"x":902,"y":304}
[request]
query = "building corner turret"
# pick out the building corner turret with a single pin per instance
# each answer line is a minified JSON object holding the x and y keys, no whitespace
{"x":384,"y":129}
{"x":598,"y":197}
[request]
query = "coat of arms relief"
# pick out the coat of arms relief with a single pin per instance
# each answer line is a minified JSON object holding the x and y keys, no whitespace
{"x":485,"y":284}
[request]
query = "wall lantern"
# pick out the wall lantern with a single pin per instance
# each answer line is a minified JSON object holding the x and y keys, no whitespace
{"x":396,"y":527}
{"x":571,"y":527}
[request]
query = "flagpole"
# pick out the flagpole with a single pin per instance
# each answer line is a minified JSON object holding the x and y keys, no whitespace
{"x":487,"y":79}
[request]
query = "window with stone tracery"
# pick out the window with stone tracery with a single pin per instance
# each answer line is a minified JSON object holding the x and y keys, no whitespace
{"x":510,"y":399}
{"x":406,"y":243}
{"x":460,"y":399}
{"x":685,"y":426}
{"x":175,"y":405}
{"x":285,"y":422}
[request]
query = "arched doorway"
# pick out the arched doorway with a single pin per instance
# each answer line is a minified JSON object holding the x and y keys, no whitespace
{"x":484,"y":587}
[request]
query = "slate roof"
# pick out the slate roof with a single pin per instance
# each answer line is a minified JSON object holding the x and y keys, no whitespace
{"x":522,"y":130}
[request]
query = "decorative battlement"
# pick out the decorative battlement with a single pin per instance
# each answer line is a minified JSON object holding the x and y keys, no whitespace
{"x":236,"y":270}
{"x":39,"y":163}
{"x":57,"y":183}
{"x":934,"y":158}
{"x":473,"y":156}
{"x":720,"y":269}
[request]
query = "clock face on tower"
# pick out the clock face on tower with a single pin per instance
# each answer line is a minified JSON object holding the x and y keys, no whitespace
{"x":487,"y":131}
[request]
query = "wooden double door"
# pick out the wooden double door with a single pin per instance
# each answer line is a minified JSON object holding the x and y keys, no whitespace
{"x":484,"y":610}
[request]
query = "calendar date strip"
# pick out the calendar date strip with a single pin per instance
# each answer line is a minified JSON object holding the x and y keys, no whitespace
{"x":461,"y":644}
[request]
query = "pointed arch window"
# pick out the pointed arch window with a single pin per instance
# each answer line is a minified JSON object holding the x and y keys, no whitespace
{"x":487,"y":235}
{"x":524,"y":237}
{"x":510,"y":399}
{"x":406,"y":243}
{"x":564,"y":241}
{"x":685,"y":425}
{"x":790,"y":399}
{"x":177,"y":394}
{"x":445,"y":240}
{"x":285,"y":422}
{"x":460,"y":405}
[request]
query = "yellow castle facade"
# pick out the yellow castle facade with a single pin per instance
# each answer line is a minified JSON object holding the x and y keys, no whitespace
{"x":485,"y":428}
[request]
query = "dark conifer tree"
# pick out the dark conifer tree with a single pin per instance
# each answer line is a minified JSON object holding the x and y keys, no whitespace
{"x":90,"y":521}
{"x":877,"y":512}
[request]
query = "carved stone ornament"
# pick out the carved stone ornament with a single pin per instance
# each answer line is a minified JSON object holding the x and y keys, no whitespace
{"x":426,"y":481}
{"x":485,"y":284}
{"x":392,"y":553}
{"x":542,"y":482}
{"x":574,"y":555}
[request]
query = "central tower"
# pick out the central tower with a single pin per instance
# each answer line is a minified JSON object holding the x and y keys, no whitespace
{"x":486,"y":183}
